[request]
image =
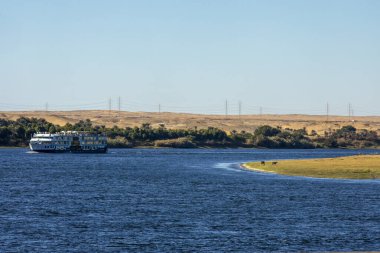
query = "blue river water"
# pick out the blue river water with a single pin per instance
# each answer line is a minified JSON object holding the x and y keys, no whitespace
{"x":180,"y":200}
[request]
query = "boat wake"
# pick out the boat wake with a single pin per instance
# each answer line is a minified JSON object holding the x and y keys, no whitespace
{"x":228,"y":166}
{"x":31,"y":152}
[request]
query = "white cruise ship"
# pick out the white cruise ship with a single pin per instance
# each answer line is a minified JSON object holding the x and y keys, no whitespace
{"x":70,"y":141}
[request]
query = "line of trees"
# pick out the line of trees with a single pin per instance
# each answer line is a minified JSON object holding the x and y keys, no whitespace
{"x":18,"y":133}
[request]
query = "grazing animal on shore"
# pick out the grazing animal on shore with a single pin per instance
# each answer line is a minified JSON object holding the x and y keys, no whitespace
{"x":274,"y":163}
{"x":262,"y":162}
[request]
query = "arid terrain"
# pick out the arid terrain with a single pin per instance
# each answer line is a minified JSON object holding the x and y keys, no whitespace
{"x":123,"y":119}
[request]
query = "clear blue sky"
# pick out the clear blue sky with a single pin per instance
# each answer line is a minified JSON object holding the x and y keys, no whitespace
{"x":286,"y":56}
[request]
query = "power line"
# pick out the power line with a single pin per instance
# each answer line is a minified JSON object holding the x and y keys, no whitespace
{"x":228,"y":108}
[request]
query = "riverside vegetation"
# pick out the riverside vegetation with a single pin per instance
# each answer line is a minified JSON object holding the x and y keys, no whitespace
{"x":18,"y":132}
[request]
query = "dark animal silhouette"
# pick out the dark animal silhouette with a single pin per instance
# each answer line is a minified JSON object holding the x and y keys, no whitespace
{"x":274,"y":163}
{"x":262,"y":162}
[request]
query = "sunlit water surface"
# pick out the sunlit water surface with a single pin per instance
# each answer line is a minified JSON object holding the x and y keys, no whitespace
{"x":165,"y":200}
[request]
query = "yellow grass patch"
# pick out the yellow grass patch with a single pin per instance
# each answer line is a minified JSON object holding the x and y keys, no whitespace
{"x":350,"y":167}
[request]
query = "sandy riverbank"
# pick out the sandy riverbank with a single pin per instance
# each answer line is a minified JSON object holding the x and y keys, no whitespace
{"x":350,"y":167}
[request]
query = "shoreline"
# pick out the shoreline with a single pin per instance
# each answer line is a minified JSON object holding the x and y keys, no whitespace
{"x":246,"y":167}
{"x":342,"y":167}
{"x":223,"y":147}
{"x":148,"y":134}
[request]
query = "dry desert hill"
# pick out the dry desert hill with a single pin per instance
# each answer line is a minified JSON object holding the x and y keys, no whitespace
{"x":123,"y":119}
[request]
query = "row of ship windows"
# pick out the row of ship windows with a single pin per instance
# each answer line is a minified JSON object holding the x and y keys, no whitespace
{"x":82,"y":138}
{"x":90,"y":147}
{"x":69,"y":140}
{"x":84,"y":147}
{"x":94,"y":142}
{"x":86,"y":142}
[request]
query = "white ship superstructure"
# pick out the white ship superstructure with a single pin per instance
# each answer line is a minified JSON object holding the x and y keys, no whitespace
{"x":69,"y":141}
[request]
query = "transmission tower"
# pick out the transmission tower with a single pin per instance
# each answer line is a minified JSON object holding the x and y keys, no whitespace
{"x":239,"y":109}
{"x":119,"y":105}
{"x":226,"y":108}
{"x":349,"y":112}
{"x":327,"y":112}
{"x":109,"y":105}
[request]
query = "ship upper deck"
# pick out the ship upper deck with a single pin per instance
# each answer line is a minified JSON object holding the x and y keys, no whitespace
{"x":67,"y":133}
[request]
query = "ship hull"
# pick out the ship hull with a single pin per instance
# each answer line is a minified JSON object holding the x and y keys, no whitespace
{"x":70,"y":150}
{"x":99,"y":151}
{"x":50,"y":151}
